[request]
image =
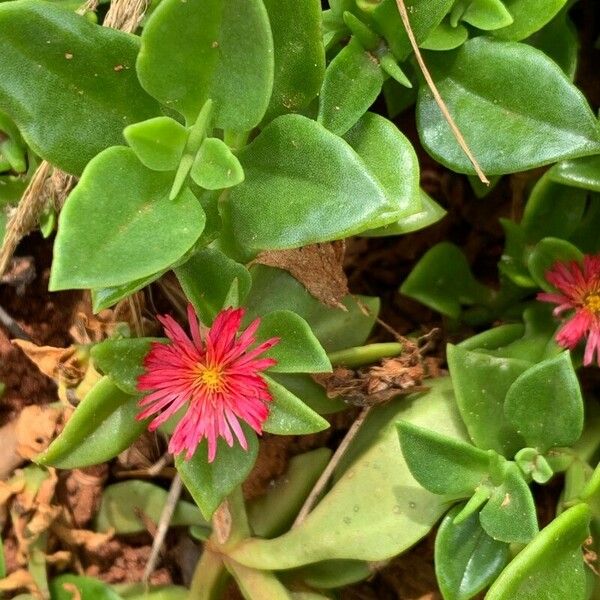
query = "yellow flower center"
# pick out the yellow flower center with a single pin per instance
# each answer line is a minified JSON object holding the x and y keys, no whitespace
{"x":211,"y":378}
{"x":592,"y":302}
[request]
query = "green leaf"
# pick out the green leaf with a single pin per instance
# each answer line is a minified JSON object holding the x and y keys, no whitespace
{"x":288,"y":415}
{"x":123,"y":503}
{"x":158,"y":142}
{"x":375,"y":509}
{"x":441,"y":464}
{"x":273,"y":513}
{"x":118,"y":225}
{"x":299,"y":54}
{"x":528,"y":17}
{"x":544,"y":256}
{"x":209,"y":483}
{"x":538,"y":119}
{"x":446,"y":37}
{"x":206,"y":278}
{"x":335,"y":329}
{"x":509,"y":515}
{"x":141,"y":591}
{"x":105,"y":297}
{"x":68,"y":84}
{"x":220,"y":35}
{"x":425,"y":16}
{"x":551,"y":566}
{"x":391,"y":159}
{"x":442,"y":280}
{"x":353,"y":81}
{"x":481,"y":383}
{"x":330,"y":574}
{"x":431,"y":212}
{"x":487,"y":14}
{"x":293,"y":195}
{"x":122,"y":360}
{"x":88,"y":588}
{"x":538,"y":395}
{"x":581,"y":173}
{"x":216,"y":166}
{"x":298,"y":350}
{"x":467,"y":559}
{"x":103,"y":425}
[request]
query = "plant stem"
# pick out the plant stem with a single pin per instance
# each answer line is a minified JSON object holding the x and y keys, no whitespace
{"x":436,"y":94}
{"x":210,"y":577}
{"x":333,"y":463}
{"x":364,"y":355}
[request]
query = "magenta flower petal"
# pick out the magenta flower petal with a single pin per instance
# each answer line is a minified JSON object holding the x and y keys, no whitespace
{"x":217,"y":378}
{"x":578,"y":289}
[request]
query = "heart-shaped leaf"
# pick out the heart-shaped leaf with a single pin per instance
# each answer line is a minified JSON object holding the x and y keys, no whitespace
{"x":538,"y":118}
{"x":288,"y":415}
{"x":69,"y":84}
{"x":528,"y":16}
{"x":551,"y":566}
{"x":118,"y":224}
{"x":467,"y":559}
{"x":293,"y":196}
{"x":544,"y":404}
{"x":216,"y":166}
{"x":298,"y":350}
{"x":353,"y":80}
{"x":158,"y":142}
{"x":486,"y":14}
{"x":209,"y":483}
{"x":101,"y":427}
{"x":220,"y":35}
{"x":481,"y":383}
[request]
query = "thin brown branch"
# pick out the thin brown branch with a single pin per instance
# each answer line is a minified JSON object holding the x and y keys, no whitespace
{"x":436,"y":94}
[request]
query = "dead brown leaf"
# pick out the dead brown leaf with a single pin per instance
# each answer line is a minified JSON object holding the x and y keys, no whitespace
{"x":80,"y":537}
{"x":72,"y":589}
{"x":318,"y":267}
{"x":19,"y":580}
{"x":56,"y":363}
{"x":377,"y":384}
{"x":35,"y":429}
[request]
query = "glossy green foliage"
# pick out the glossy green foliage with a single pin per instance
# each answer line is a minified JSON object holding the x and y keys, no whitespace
{"x":582,"y":173}
{"x":509,"y":515}
{"x":425,"y":16}
{"x":122,"y":360}
{"x":108,"y":296}
{"x":442,"y":280}
{"x":446,"y":37}
{"x":123,"y":503}
{"x":89,"y":588}
{"x":69,"y":85}
{"x":331,"y":574}
{"x":352,"y":82}
{"x":140,"y":591}
{"x":551,"y":566}
{"x":298,"y":350}
{"x":215,"y":166}
{"x":220,"y":35}
{"x":207,"y":278}
{"x":299,"y":54}
{"x":483,"y":14}
{"x":209,"y":483}
{"x":375,"y":508}
{"x":119,"y":225}
{"x":101,"y":427}
{"x":13,"y":150}
{"x":158,"y":142}
{"x":273,"y":513}
{"x":309,"y":391}
{"x":442,"y":464}
{"x":544,"y":404}
{"x":528,"y":16}
{"x":335,"y":329}
{"x":538,"y":119}
{"x":391,"y":159}
{"x":288,"y":415}
{"x":481,"y":383}
{"x":303,"y":185}
{"x":467,"y":559}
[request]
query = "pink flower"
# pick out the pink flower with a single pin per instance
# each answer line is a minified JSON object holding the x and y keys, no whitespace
{"x":218,"y":380}
{"x":579,"y":290}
